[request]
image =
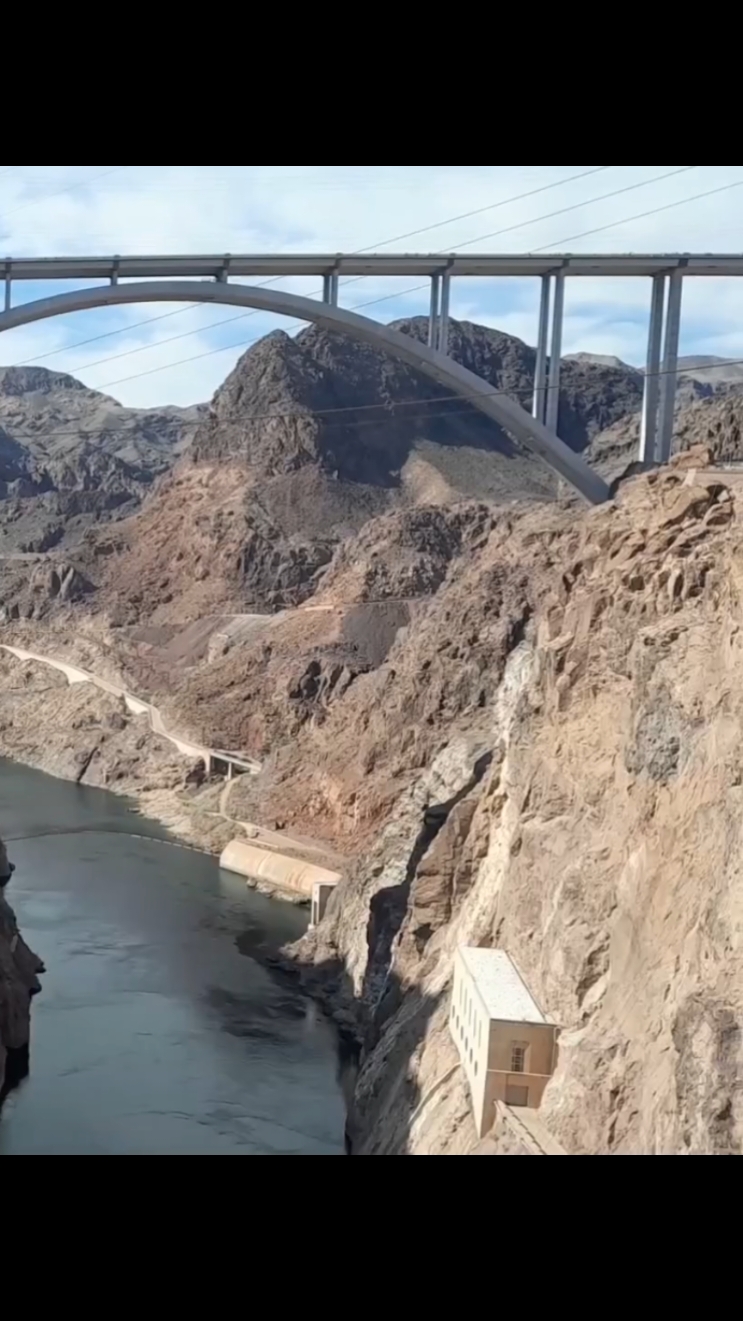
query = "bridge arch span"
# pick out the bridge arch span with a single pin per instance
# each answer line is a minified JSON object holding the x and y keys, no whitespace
{"x":437,"y":366}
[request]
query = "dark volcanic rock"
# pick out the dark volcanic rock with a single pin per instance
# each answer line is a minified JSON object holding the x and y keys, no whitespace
{"x":19,"y":969}
{"x":71,"y":457}
{"x":312,"y":439}
{"x":324,"y":398}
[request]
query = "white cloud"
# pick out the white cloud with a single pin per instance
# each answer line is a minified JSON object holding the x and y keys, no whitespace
{"x":48,"y":210}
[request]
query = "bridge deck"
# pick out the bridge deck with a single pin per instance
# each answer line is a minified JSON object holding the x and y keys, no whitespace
{"x":221,"y":266}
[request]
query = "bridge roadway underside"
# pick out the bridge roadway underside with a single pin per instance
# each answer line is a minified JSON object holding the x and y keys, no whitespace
{"x":430,"y":361}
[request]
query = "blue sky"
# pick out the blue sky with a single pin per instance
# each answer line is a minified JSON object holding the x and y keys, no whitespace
{"x":152,"y":355}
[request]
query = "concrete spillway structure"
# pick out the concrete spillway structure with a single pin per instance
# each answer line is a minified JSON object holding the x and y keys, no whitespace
{"x":277,"y":869}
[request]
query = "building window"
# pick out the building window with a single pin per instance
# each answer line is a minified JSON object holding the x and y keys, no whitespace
{"x":519,"y":1057}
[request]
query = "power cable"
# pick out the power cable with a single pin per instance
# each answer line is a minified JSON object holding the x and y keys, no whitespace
{"x":468,"y":400}
{"x":387,"y":298}
{"x":404,"y":293}
{"x":109,"y":334}
{"x":47,"y":197}
{"x":726,"y":188}
{"x":510,"y":201}
{"x":494,"y":206}
{"x":682,"y":201}
{"x":577,"y":206}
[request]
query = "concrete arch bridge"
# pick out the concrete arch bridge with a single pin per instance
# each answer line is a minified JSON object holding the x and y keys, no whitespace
{"x":207,"y":279}
{"x":431,"y":362}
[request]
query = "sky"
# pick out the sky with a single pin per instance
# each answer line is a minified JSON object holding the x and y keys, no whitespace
{"x":151,"y":355}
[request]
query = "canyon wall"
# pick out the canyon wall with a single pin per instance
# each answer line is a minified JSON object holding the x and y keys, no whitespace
{"x":19,"y":981}
{"x":587,"y":819}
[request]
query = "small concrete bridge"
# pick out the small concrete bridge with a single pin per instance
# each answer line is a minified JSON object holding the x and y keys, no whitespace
{"x":228,"y":764}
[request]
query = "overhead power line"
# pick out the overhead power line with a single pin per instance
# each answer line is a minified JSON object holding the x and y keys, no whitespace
{"x":684,"y":201}
{"x":404,"y":293}
{"x":600,"y":229}
{"x":494,"y":206}
{"x":509,"y":201}
{"x":386,"y":298}
{"x":390,"y":297}
{"x":108,"y":334}
{"x":462,"y":397}
{"x":577,"y":206}
{"x":59,"y":192}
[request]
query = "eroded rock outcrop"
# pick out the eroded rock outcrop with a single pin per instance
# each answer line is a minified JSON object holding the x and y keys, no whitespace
{"x":19,"y":979}
{"x":542,"y":755}
{"x":313,"y":439}
{"x":588,"y":810}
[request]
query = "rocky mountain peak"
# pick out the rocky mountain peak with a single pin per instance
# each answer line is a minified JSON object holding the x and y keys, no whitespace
{"x":15,"y":382}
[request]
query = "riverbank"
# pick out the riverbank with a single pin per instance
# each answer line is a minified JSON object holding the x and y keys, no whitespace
{"x":85,"y":735}
{"x":160,"y":1028}
{"x":89,"y":734}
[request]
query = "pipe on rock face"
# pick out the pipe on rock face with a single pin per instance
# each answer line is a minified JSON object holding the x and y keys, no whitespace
{"x":276,"y":869}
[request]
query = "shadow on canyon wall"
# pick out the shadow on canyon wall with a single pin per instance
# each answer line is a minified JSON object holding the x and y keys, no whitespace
{"x":17,"y":1069}
{"x":375,"y":1055}
{"x":383,"y":1027}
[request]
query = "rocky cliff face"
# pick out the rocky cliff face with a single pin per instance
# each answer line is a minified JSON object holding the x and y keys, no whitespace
{"x":575,"y":803}
{"x":19,"y":981}
{"x":714,"y":420}
{"x":71,"y":457}
{"x":308,"y":442}
{"x":311,"y":439}
{"x":519,"y":719}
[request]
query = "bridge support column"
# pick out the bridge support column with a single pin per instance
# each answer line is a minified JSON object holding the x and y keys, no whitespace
{"x":651,"y":395}
{"x":330,"y":286}
{"x":433,"y":320}
{"x":552,"y":415}
{"x":669,"y":373}
{"x":443,"y":344}
{"x":539,"y":408}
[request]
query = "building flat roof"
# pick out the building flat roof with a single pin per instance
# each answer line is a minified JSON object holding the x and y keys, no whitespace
{"x":507,"y":997}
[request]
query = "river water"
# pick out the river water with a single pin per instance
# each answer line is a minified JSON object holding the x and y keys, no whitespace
{"x":157,"y":1031}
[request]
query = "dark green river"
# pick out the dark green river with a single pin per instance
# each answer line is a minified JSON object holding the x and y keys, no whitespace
{"x":158,"y":1031}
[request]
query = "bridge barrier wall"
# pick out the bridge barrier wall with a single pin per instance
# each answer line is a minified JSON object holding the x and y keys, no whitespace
{"x":276,"y":869}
